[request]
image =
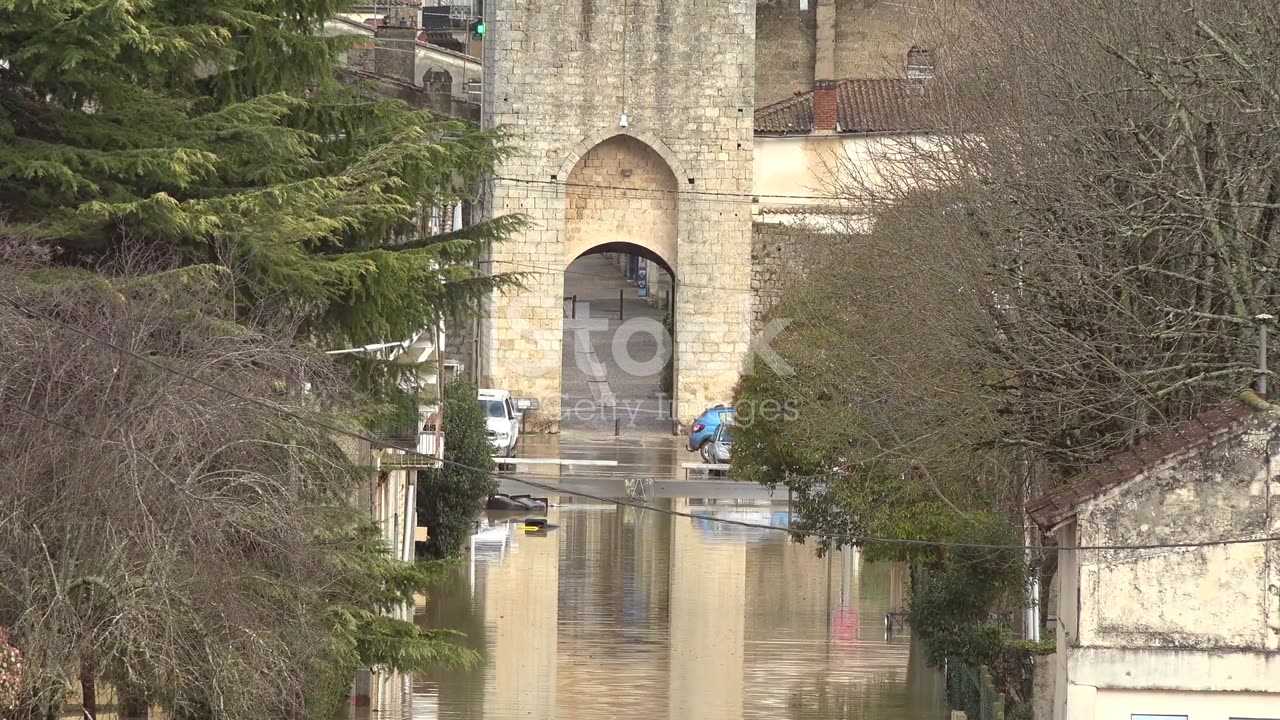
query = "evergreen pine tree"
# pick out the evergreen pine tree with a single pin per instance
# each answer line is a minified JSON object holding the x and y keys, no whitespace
{"x":212,"y":140}
{"x":215,"y":132}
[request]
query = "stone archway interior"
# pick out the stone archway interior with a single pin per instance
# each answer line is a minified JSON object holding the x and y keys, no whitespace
{"x":621,"y":208}
{"x":621,"y":191}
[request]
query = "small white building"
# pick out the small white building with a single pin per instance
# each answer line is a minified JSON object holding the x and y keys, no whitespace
{"x":1175,"y":633}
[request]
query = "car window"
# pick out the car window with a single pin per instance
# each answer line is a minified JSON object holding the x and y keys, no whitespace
{"x":511,"y":410}
{"x":726,"y":433}
{"x":494,"y":408}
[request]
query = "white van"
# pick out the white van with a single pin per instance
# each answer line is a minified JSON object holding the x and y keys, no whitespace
{"x":502,"y":419}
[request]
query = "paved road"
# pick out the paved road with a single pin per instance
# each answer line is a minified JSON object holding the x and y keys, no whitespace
{"x":608,"y":377}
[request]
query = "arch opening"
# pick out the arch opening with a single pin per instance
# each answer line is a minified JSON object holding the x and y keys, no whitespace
{"x":618,"y":369}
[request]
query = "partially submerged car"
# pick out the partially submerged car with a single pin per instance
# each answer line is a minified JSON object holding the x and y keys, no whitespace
{"x":502,"y":421}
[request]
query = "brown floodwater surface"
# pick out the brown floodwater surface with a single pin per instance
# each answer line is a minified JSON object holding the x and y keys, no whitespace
{"x":621,"y":613}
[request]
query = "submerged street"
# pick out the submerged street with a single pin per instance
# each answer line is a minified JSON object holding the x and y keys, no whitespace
{"x":627,"y":613}
{"x":622,"y":613}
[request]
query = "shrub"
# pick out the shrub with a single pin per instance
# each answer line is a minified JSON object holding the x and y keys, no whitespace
{"x":450,"y":498}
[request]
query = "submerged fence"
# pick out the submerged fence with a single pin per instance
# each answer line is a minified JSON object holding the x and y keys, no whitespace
{"x":971,"y":691}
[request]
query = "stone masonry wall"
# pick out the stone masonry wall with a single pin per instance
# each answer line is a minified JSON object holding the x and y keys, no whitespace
{"x":779,"y":255}
{"x":646,"y":214}
{"x":561,"y":74}
{"x":873,"y":36}
{"x":871,"y":41}
{"x":784,"y":50}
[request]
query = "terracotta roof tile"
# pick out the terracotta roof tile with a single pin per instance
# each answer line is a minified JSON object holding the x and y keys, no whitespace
{"x":1195,"y":434}
{"x":864,"y":106}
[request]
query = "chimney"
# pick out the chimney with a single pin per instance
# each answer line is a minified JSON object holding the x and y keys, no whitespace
{"x":825,"y":102}
{"x":395,"y":42}
{"x":824,"y":64}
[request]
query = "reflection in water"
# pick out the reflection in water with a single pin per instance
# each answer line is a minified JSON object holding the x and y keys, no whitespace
{"x":629,"y":614}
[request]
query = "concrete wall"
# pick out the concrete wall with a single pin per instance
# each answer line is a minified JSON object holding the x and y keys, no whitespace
{"x":1176,"y":630}
{"x":1125,"y":704}
{"x":795,"y":175}
{"x":1212,"y":598}
{"x":560,"y":74}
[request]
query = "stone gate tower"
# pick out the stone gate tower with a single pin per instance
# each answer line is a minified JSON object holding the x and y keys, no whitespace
{"x":633,"y":120}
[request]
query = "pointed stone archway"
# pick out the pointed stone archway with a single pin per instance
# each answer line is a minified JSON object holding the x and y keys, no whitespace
{"x":622,"y":191}
{"x":620,"y":198}
{"x":583,"y":108}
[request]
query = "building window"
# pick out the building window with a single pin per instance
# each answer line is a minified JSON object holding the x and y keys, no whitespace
{"x":919,"y":63}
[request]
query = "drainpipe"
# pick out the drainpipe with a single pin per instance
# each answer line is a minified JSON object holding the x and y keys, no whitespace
{"x":1260,"y":383}
{"x":1032,"y":621}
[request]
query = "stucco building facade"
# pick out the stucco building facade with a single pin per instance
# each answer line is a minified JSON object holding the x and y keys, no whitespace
{"x":1190,"y":632}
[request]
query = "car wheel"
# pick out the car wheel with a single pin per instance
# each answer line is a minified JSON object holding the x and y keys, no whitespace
{"x":705,"y":451}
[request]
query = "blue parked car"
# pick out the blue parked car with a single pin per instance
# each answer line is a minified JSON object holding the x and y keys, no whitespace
{"x":704,"y":428}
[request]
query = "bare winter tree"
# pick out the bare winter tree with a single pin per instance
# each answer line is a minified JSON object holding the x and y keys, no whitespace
{"x":1114,"y":167}
{"x":181,"y":544}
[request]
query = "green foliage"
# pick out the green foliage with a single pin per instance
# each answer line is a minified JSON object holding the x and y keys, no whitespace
{"x":369,"y":584}
{"x":391,"y":392}
{"x":215,"y":132}
{"x":450,"y":498}
{"x":1025,"y":711}
{"x":831,"y":494}
{"x":210,"y":145}
{"x":951,"y":610}
{"x":882,"y":422}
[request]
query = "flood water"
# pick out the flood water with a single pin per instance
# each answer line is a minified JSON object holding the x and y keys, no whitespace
{"x":621,"y":613}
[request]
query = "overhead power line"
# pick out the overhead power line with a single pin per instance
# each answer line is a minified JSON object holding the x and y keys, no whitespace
{"x":554,"y":271}
{"x":750,"y":198}
{"x":373,"y":442}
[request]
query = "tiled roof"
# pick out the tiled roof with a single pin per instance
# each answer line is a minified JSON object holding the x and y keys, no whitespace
{"x":1199,"y":433}
{"x":863,"y":106}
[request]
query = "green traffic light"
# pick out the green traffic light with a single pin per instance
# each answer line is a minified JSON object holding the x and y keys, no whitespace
{"x":479,"y":29}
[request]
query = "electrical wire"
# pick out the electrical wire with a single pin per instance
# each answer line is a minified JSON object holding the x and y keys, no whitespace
{"x":373,"y":442}
{"x":549,"y":270}
{"x":745,"y":198}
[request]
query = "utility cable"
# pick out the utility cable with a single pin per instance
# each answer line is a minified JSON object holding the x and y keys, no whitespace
{"x":752,"y":198}
{"x":373,"y":442}
{"x":547,"y":269}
